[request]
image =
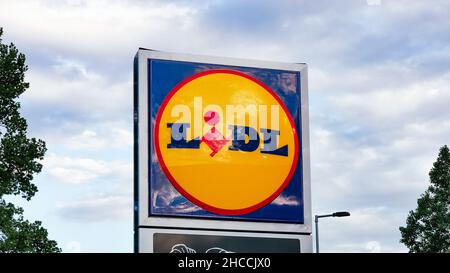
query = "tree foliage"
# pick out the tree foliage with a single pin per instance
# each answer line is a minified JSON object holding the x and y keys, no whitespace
{"x":428,"y":227}
{"x":19,"y":159}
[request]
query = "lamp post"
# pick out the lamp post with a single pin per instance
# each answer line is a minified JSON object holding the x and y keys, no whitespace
{"x":316,"y":219}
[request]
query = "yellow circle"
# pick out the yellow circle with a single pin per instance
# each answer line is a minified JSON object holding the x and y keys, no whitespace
{"x":230,"y":181}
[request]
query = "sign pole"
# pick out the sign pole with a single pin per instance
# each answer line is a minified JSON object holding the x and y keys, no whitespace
{"x":316,"y":219}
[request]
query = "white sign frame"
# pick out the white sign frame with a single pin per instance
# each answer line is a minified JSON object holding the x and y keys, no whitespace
{"x":141,"y":157}
{"x":146,"y":246}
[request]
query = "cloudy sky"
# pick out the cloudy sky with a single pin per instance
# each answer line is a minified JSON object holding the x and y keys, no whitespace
{"x":379,"y":78}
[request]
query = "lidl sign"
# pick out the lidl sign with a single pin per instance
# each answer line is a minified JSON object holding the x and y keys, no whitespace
{"x":221,"y":139}
{"x":227,"y":165}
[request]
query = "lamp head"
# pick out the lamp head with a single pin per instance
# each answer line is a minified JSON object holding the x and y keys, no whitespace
{"x":341,"y":214}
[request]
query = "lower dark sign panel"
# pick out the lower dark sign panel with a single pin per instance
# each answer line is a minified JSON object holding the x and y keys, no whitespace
{"x":188,"y":243}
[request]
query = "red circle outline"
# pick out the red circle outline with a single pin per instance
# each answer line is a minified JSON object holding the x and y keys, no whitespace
{"x":228,"y":212}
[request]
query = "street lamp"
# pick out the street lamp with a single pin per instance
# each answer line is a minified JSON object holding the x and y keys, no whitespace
{"x":316,"y":219}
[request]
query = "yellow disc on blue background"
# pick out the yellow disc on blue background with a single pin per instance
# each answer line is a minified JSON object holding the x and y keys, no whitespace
{"x":210,"y":167}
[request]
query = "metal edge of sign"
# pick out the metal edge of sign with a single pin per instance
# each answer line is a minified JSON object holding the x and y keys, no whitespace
{"x":141,"y":144}
{"x":136,"y":154}
{"x":305,"y":147}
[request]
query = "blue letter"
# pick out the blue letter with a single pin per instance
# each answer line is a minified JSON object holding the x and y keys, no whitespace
{"x":270,"y":143}
{"x":178,"y":137}
{"x":239,"y":133}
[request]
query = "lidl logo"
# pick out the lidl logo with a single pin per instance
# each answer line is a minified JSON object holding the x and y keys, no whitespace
{"x":226,"y":141}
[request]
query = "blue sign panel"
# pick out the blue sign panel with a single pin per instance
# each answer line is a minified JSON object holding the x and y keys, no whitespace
{"x":165,"y":200}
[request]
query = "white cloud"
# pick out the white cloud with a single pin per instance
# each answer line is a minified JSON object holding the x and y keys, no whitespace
{"x":72,"y":247}
{"x":373,"y":2}
{"x":96,"y":27}
{"x":103,"y":30}
{"x":74,"y":89}
{"x":425,"y":99}
{"x":373,"y":246}
{"x":82,"y":170}
{"x":364,"y":247}
{"x":283,"y":200}
{"x":166,"y":196}
{"x":369,"y":229}
{"x":98,"y":208}
{"x":113,"y":138}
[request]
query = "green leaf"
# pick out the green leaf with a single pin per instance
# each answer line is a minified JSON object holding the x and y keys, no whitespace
{"x":428,"y":226}
{"x":20,"y":158}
